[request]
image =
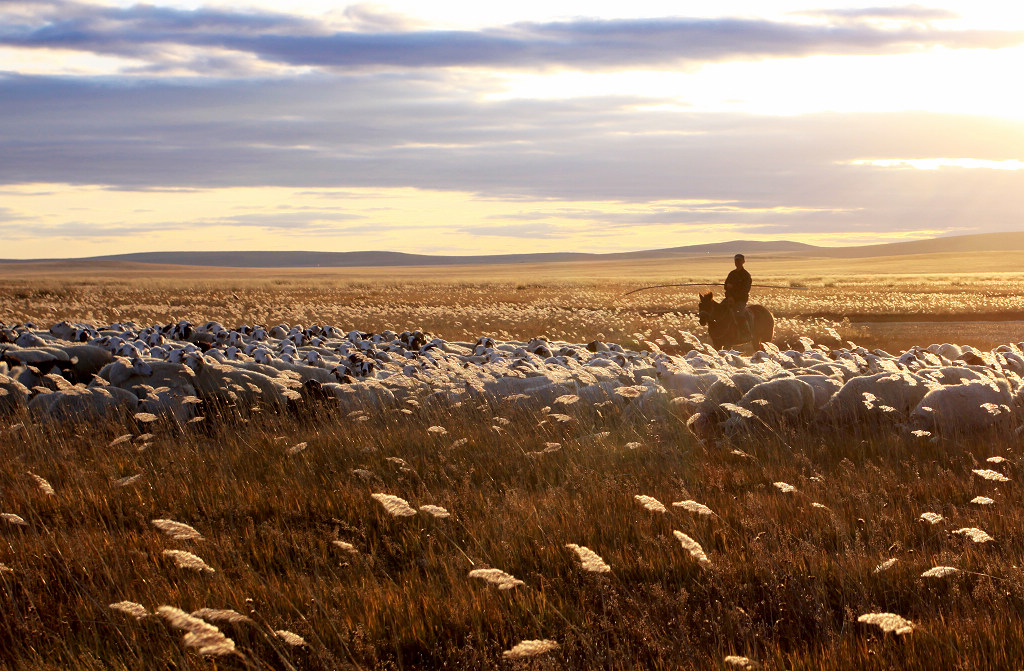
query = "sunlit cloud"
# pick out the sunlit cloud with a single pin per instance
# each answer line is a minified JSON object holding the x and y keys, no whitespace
{"x":938,"y":163}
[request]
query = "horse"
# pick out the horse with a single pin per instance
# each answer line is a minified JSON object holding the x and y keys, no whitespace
{"x":723,"y":329}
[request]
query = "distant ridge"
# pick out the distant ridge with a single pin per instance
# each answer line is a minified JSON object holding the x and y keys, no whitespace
{"x":287,"y":259}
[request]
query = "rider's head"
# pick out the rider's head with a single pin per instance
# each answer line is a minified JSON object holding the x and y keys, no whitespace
{"x":739,"y":260}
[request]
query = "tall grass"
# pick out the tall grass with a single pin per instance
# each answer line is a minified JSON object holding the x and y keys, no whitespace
{"x":785,"y":586}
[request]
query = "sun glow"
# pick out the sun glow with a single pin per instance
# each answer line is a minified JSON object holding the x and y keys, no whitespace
{"x":937,"y":163}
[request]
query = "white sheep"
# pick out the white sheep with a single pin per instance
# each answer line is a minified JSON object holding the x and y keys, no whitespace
{"x":965,"y":408}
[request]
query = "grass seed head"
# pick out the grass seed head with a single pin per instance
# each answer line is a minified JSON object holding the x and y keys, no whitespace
{"x":651,"y":503}
{"x":982,"y":500}
{"x":940,"y":572}
{"x":345,"y":546}
{"x":290,"y":638}
{"x":497,"y":577}
{"x":888,"y":622}
{"x":694,"y":548}
{"x":590,"y":560}
{"x":989,"y":474}
{"x":784,"y":487}
{"x":44,"y":486}
{"x":221,"y":615}
{"x":394,"y":505}
{"x":13,"y":519}
{"x":187,"y":560}
{"x":436,"y":511}
{"x":136,"y":610}
{"x":127,"y":480}
{"x":199,"y":634}
{"x":177,"y":530}
{"x":694,"y":507}
{"x":931,"y":518}
{"x":886,"y":565}
{"x":740,"y":662}
{"x":975,"y":534}
{"x":530,"y":648}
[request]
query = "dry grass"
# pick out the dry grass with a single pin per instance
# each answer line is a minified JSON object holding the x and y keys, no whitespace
{"x":323,"y":577}
{"x":787,"y":582}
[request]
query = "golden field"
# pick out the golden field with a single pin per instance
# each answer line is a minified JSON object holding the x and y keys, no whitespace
{"x":787,"y":576}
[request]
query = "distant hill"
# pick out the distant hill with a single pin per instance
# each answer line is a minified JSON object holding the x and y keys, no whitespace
{"x":285,"y":259}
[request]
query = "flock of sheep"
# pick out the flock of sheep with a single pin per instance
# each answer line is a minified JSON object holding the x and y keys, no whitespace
{"x":73,"y":372}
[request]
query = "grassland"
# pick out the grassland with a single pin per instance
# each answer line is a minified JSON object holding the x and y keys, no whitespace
{"x":787,"y":579}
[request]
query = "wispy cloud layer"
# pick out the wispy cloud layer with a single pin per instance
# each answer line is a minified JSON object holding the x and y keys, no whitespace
{"x":152,"y":33}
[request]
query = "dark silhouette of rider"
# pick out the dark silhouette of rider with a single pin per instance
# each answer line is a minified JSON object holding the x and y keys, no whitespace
{"x":737,"y":291}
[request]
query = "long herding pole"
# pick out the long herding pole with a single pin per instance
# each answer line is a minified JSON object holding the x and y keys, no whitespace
{"x":709,"y":284}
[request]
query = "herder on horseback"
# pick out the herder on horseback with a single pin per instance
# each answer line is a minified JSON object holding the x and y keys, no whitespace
{"x":737,"y":291}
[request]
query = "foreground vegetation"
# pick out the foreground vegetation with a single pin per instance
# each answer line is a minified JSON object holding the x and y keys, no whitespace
{"x":786,"y":582}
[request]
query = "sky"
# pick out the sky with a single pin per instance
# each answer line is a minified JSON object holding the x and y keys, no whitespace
{"x":472,"y":127}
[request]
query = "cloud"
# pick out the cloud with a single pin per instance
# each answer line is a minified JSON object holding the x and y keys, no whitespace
{"x":387,"y":131}
{"x":377,"y":40}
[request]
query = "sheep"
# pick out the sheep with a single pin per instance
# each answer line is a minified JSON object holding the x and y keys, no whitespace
{"x":960,"y":408}
{"x":881,"y":396}
{"x":80,"y":403}
{"x":13,"y":395}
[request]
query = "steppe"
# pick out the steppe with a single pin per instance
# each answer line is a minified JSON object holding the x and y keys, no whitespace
{"x":283,"y":505}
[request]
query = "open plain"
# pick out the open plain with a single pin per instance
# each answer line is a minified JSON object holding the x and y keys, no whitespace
{"x":262,"y":522}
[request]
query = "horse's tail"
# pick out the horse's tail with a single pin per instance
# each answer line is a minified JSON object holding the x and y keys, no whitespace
{"x":763,"y":327}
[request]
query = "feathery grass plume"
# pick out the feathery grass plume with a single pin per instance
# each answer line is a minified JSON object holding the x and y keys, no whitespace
{"x":394,"y":505}
{"x":4,"y":568}
{"x":975,"y":534}
{"x":560,"y":418}
{"x":439,"y":430}
{"x":296,"y":448}
{"x":921,"y":433}
{"x":931,"y":518}
{"x":436,"y":511}
{"x":940,"y":572}
{"x":345,"y":547}
{"x":630,"y":392}
{"x":187,"y":560}
{"x":397,"y":461}
{"x":983,"y":500}
{"x":996,"y":460}
{"x":136,"y":610}
{"x":567,"y":399}
{"x":740,"y":662}
{"x":145,"y":417}
{"x":44,"y":486}
{"x":199,"y":634}
{"x":13,"y":519}
{"x":888,"y":622}
{"x":694,"y":548}
{"x":694,"y":507}
{"x":815,"y":504}
{"x":496,"y":577}
{"x":886,"y":565}
{"x":551,"y":447}
{"x":127,"y":480}
{"x":784,"y":487}
{"x":119,"y":440}
{"x":651,"y":503}
{"x":633,"y":445}
{"x":290,"y":638}
{"x":989,"y":474}
{"x":530,"y":648}
{"x":177,"y":530}
{"x":460,"y":442}
{"x":590,"y":560}
{"x":222,"y":615}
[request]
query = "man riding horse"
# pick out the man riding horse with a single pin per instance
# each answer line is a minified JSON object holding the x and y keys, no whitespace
{"x":737,"y":291}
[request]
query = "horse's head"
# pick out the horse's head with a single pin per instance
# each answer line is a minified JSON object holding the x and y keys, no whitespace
{"x":706,"y":308}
